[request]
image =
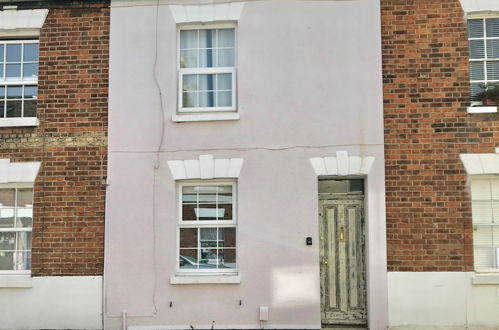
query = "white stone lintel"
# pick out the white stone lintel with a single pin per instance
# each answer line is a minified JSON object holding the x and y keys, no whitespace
{"x":205,"y":168}
{"x":342,"y":165}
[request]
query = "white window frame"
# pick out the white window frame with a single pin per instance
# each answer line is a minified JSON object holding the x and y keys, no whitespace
{"x":485,"y":40}
{"x":30,"y":229}
{"x":21,"y":120}
{"x":206,"y":224}
{"x":216,"y":70}
{"x":488,"y":178}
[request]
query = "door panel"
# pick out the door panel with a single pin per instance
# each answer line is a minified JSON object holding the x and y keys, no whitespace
{"x":343,"y":289}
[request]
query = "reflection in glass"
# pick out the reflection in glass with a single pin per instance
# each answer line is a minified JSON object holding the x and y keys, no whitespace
{"x":13,"y":53}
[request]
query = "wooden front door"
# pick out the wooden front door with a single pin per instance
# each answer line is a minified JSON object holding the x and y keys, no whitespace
{"x":343,"y":280}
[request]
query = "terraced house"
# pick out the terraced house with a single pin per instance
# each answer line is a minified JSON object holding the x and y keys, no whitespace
{"x":53,"y":142}
{"x":276,"y":164}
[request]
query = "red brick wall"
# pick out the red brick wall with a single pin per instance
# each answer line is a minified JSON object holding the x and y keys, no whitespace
{"x":426,"y":92}
{"x":70,"y":142}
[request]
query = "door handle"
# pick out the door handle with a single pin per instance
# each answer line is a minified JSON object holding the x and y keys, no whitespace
{"x":342,"y":234}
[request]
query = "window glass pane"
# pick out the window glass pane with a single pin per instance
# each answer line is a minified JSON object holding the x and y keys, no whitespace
{"x":7,"y":241}
{"x":13,"y":52}
{"x":2,"y":92}
{"x":224,"y":212}
{"x":482,"y":212}
{"x":208,"y":212}
{"x":493,"y":70}
{"x":1,"y":53}
{"x":356,"y":186}
{"x":206,"y":82}
{"x":208,"y":238}
{"x":188,"y":237}
{"x":224,"y":81}
{"x":2,"y":109}
{"x":188,"y":59}
{"x":24,"y":197}
{"x":493,"y":48}
{"x":484,"y":257}
{"x":492,"y":27}
{"x":24,"y":217}
{"x":475,"y":28}
{"x":7,"y":260}
{"x":14,"y":92}
{"x":225,"y":57}
{"x":188,"y":212}
{"x":207,"y":38}
{"x":29,"y":108}
{"x":30,"y":52}
{"x":189,"y":195}
{"x":1,"y":71}
{"x":226,"y":38}
{"x":207,"y":194}
{"x":6,"y":217}
{"x":224,"y":194}
{"x":190,"y":82}
{"x":227,"y":236}
{"x":495,"y":213}
{"x":190,"y":99}
{"x":7,"y":197}
{"x":495,"y":189}
{"x":475,"y":90}
{"x":30,"y":71}
{"x":228,"y":258}
{"x":188,"y":259}
{"x":13,"y":71}
{"x":23,"y":241}
{"x":477,"y":49}
{"x":224,"y":99}
{"x":477,"y":70}
{"x":14,"y":109}
{"x":209,"y":258}
{"x":30,"y":92}
{"x":189,"y":39}
{"x":206,"y":99}
{"x":22,"y":260}
{"x":207,"y":58}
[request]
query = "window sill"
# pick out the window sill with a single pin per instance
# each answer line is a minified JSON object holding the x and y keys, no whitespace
{"x":482,"y":109}
{"x":485,"y":279}
{"x":179,"y":118}
{"x":15,"y":281}
{"x":18,"y":122}
{"x":205,"y":279}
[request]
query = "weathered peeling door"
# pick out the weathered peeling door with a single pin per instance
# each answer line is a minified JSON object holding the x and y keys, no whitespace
{"x":343,"y":283}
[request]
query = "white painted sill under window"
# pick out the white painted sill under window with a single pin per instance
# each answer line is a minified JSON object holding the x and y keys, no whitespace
{"x":486,"y":278}
{"x":19,"y":122}
{"x":213,"y":116}
{"x":482,"y":109}
{"x":16,"y":281}
{"x":205,"y":279}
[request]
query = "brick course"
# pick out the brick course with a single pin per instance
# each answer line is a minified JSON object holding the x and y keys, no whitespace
{"x":70,"y":142}
{"x":426,"y":92}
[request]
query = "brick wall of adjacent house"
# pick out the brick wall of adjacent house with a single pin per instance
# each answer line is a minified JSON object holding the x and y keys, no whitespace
{"x":70,"y":142}
{"x":426,"y":92}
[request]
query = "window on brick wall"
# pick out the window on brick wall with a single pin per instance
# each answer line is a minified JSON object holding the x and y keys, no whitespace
{"x":18,"y":78}
{"x":485,"y":208}
{"x":16,"y":222}
{"x":207,"y":227}
{"x":207,"y":69}
{"x":483,"y":40}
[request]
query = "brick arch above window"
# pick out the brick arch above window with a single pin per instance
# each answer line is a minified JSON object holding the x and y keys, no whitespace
{"x":205,"y":168}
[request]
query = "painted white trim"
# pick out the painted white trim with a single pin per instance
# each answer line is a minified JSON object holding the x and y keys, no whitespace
{"x":16,"y":281}
{"x":342,"y":164}
{"x":482,"y":109}
{"x":485,"y":279}
{"x":480,"y":164}
{"x":197,"y":279}
{"x":205,"y":168}
{"x":223,"y":116}
{"x":22,"y":22}
{"x":25,"y":172}
{"x":480,"y":6}
{"x":18,"y":122}
{"x":207,"y":12}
